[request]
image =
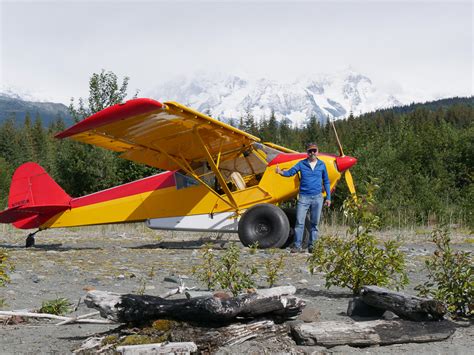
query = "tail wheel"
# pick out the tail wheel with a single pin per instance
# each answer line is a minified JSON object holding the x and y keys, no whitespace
{"x":264,"y":224}
{"x":291,"y":215}
{"x":30,"y":240}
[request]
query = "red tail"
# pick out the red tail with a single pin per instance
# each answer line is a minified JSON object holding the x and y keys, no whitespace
{"x":34,"y":198}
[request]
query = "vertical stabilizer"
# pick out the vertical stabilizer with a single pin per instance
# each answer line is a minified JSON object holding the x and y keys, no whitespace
{"x":34,"y":197}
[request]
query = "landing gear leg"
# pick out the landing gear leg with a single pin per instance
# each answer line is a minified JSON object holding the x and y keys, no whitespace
{"x":30,"y":240}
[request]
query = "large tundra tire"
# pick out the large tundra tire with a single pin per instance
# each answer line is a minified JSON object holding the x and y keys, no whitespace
{"x":265,"y":224}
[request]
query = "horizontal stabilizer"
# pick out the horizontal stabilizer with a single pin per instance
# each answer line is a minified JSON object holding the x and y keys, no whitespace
{"x":19,"y":213}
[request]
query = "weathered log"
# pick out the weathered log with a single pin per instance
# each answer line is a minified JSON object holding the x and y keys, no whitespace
{"x":357,"y":307}
{"x":65,"y":320}
{"x":160,"y":348}
{"x":275,"y":303}
{"x":377,"y":332}
{"x":207,"y":339}
{"x":213,"y":338}
{"x":405,"y":306}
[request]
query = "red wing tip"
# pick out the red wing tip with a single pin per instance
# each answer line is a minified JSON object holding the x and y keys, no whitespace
{"x":111,"y":114}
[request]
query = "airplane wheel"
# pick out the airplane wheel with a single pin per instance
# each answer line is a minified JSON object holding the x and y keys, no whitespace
{"x":266,"y":224}
{"x":30,"y":241}
{"x":291,"y":214}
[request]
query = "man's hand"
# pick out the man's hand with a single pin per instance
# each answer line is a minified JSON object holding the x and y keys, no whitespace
{"x":278,"y":170}
{"x":327,"y":203}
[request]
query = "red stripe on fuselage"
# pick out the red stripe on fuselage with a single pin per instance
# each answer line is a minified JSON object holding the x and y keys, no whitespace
{"x":155,"y":182}
{"x":286,"y":157}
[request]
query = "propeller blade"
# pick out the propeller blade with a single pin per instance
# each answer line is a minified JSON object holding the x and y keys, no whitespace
{"x":341,"y":153}
{"x":349,"y":182}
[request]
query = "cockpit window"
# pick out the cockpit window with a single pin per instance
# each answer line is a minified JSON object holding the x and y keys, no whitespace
{"x":184,"y":181}
{"x":268,"y":152}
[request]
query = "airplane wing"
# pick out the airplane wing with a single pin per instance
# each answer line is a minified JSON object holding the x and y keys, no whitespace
{"x":156,"y":134}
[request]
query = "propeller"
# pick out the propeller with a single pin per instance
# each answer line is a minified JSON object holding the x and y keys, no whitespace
{"x":344,"y":162}
{"x":341,"y":152}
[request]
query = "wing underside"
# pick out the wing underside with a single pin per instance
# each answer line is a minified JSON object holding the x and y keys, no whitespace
{"x":159,"y":135}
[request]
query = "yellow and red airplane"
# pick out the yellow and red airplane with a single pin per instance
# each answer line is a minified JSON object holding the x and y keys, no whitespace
{"x":218,"y":178}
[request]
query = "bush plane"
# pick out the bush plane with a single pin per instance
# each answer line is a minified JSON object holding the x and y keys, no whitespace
{"x":217,"y":178}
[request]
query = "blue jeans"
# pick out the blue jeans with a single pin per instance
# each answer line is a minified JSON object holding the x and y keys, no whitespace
{"x":315,"y":204}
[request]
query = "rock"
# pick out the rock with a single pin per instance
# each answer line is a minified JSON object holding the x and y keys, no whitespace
{"x":16,"y":277}
{"x":173,"y":279}
{"x":93,"y":281}
{"x":309,"y":314}
{"x":342,"y":349}
{"x":389,"y":315}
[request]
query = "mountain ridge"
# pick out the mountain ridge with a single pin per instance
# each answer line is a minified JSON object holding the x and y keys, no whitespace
{"x":230,"y":96}
{"x":13,"y":105}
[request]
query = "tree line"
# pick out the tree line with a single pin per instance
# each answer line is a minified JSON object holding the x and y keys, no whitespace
{"x":422,"y":156}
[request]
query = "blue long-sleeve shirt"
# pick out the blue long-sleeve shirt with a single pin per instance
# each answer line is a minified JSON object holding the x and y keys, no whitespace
{"x":311,"y":180}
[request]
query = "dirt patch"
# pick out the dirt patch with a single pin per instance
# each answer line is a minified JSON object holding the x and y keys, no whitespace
{"x":131,"y":259}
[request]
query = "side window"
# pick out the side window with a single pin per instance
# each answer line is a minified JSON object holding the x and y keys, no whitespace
{"x":184,"y":181}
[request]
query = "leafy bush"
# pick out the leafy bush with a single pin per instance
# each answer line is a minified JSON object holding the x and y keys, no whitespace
{"x":57,"y":306}
{"x":273,"y":265}
{"x":357,"y":260}
{"x":450,"y":275}
{"x":3,"y":303}
{"x":230,"y":275}
{"x":206,"y":272}
{"x":5,"y":266}
{"x":226,"y":272}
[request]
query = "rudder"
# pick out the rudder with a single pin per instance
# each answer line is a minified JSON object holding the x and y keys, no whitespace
{"x":34,"y":197}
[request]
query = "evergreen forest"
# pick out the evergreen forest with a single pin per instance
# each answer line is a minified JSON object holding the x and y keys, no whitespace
{"x":421,"y":156}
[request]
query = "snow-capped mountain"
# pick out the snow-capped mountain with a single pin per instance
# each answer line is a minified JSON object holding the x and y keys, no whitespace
{"x":232,"y":97}
{"x":15,"y":103}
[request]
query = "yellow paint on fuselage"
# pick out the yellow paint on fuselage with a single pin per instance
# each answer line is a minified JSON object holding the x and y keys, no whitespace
{"x":173,"y":202}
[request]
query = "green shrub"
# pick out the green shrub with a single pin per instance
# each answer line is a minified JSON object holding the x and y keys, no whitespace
{"x":357,"y":260}
{"x":206,"y":270}
{"x":57,"y":306}
{"x":3,"y":303}
{"x":273,"y":265}
{"x":225,"y":272}
{"x":450,"y":275}
{"x":5,"y":266}
{"x":230,"y":274}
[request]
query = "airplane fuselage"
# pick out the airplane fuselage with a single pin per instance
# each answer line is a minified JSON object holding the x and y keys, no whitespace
{"x":164,"y":203}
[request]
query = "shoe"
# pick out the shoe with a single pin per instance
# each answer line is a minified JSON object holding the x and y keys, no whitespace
{"x":295,"y":250}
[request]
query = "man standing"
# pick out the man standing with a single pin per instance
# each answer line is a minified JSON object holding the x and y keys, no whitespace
{"x":313,"y":174}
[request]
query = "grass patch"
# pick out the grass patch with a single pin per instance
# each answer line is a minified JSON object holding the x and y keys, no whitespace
{"x":57,"y":306}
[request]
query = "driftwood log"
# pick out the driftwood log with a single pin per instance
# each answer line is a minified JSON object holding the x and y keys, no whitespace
{"x":377,"y":332}
{"x":160,"y":348}
{"x":277,"y":303}
{"x":357,"y":307}
{"x":405,"y":306}
{"x":208,"y":338}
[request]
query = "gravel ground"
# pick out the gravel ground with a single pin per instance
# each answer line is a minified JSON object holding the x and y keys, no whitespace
{"x":130,"y":259}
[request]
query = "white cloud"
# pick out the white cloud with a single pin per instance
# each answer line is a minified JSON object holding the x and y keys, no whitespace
{"x":54,"y":47}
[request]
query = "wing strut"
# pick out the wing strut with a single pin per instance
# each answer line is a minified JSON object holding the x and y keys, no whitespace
{"x":216,"y":171}
{"x":187,"y":168}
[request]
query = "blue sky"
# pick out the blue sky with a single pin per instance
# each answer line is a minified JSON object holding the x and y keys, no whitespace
{"x":52,"y":48}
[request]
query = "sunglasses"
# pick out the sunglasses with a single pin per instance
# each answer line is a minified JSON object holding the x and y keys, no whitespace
{"x":312,"y":151}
